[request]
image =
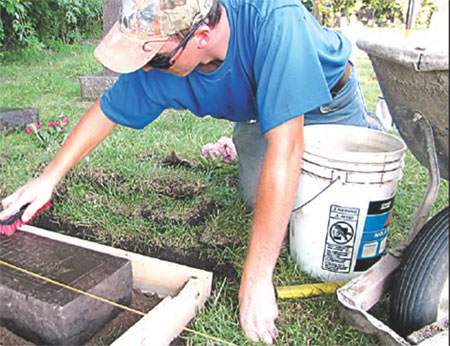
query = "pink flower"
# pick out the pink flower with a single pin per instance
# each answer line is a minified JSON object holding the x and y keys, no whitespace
{"x":64,"y":121}
{"x":210,"y":150}
{"x":227,"y":149}
{"x":53,"y":124}
{"x":224,"y":147}
{"x":34,"y":127}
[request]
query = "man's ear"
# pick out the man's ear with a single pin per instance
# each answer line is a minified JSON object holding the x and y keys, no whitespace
{"x":203,"y":36}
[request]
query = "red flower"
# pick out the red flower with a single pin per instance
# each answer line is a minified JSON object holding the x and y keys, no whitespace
{"x":29,"y":130}
{"x":64,"y":121}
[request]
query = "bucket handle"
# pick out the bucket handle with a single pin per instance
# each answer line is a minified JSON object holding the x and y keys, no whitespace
{"x":312,"y":199}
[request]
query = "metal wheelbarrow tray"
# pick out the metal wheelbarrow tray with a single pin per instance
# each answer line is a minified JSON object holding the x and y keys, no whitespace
{"x":414,"y":82}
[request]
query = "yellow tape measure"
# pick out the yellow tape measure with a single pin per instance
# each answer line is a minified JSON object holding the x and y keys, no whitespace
{"x":114,"y":303}
{"x":308,"y":290}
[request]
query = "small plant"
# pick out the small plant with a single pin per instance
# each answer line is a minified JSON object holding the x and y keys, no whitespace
{"x":423,"y":17}
{"x":37,"y":24}
{"x":52,"y":134}
{"x":384,"y":11}
{"x":218,"y":156}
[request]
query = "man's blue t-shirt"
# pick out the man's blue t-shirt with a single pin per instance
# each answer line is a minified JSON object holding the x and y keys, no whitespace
{"x":280,"y":64}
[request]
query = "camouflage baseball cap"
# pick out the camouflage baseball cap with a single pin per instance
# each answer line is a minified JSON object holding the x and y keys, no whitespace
{"x":143,"y":28}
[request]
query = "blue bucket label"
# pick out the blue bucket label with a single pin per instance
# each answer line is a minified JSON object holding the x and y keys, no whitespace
{"x":375,"y":232}
{"x":341,"y":237}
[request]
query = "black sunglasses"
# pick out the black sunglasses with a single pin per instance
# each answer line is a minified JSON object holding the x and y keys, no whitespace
{"x":165,"y":61}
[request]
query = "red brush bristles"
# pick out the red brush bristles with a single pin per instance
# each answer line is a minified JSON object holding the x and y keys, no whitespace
{"x":11,"y":224}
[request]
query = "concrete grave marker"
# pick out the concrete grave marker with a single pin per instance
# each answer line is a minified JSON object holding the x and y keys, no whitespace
{"x":49,"y":314}
{"x":16,"y":117}
{"x":94,"y":85}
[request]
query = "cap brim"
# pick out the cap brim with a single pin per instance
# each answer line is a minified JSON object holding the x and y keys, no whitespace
{"x":124,"y":54}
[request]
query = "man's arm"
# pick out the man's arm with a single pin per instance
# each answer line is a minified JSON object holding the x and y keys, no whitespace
{"x":274,"y":201}
{"x":87,"y":134}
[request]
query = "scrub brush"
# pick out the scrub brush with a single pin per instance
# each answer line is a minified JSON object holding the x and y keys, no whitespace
{"x":12,"y":223}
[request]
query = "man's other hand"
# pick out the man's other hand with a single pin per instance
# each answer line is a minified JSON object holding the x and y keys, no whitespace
{"x":258,"y":310}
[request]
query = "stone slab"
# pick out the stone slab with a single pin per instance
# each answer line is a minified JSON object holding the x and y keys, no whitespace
{"x":94,"y":85}
{"x":46,"y":313}
{"x":16,"y":117}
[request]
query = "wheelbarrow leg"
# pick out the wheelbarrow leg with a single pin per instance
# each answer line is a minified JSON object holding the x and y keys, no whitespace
{"x":433,"y":181}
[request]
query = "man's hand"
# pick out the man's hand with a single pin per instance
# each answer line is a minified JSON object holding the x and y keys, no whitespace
{"x":37,"y":193}
{"x":258,"y":310}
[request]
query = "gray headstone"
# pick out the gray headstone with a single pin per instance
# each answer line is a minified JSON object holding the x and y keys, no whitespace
{"x":49,"y":314}
{"x":16,"y":117}
{"x":93,"y":86}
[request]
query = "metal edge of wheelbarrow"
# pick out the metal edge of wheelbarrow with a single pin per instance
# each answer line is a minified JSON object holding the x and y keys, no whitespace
{"x":414,"y":82}
{"x":419,"y":58}
{"x":361,"y":294}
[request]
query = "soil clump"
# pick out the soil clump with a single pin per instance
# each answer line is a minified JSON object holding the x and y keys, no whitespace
{"x":174,"y":161}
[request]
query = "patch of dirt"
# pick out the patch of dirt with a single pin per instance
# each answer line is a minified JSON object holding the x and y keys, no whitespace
{"x":173,"y":187}
{"x":118,"y":208}
{"x":201,"y":214}
{"x":105,"y":180}
{"x":3,"y":193}
{"x":8,"y":338}
{"x":110,"y":331}
{"x":60,"y":192}
{"x":51,"y":222}
{"x":174,"y":161}
{"x":194,"y":256}
{"x":148,"y":155}
{"x":123,"y":321}
{"x":193,"y":218}
{"x":4,"y":159}
{"x":100,"y":178}
{"x":7,"y":79}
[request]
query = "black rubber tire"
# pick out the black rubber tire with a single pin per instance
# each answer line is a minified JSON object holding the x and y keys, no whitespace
{"x":421,"y":277}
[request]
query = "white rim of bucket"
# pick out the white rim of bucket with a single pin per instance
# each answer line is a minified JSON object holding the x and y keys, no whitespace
{"x":354,"y":167}
{"x":347,"y":176}
{"x":327,"y":143}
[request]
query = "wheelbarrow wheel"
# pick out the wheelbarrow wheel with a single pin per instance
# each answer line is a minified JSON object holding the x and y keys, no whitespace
{"x":422,"y":277}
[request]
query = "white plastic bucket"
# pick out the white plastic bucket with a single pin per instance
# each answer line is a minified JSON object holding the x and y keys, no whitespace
{"x":349,"y":178}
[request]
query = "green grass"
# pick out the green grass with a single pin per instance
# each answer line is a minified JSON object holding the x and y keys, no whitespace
{"x":369,"y":84}
{"x":121,"y":194}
